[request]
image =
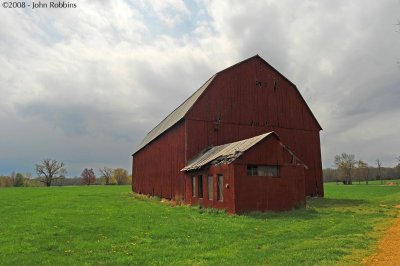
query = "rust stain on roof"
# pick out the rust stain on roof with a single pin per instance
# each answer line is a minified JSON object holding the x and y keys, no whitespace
{"x":226,"y":153}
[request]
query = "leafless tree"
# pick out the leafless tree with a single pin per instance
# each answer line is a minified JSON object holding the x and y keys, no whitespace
{"x":379,"y":176}
{"x":397,"y":167}
{"x":28,"y":175}
{"x":362,"y":171}
{"x":13,"y":174}
{"x":88,"y":177}
{"x":107,"y":173}
{"x":345,"y":163}
{"x":49,"y":170}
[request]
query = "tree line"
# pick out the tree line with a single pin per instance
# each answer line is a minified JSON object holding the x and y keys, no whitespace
{"x":348,"y":170}
{"x":51,"y":172}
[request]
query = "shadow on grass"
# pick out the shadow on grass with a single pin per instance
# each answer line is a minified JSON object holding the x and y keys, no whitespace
{"x":295,"y":214}
{"x":308,"y":212}
{"x":335,"y":203}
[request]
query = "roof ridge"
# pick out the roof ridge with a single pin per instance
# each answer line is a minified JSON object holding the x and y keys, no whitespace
{"x":179,"y":112}
{"x":158,"y":130}
{"x":174,"y":117}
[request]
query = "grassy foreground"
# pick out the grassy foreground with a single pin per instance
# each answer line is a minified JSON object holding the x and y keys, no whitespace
{"x":106,"y":225}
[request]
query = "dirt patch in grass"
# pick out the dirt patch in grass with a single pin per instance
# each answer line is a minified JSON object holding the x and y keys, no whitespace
{"x":388,"y":252}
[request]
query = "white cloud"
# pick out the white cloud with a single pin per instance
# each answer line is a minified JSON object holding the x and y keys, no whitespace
{"x":170,"y":12}
{"x":101,"y":75}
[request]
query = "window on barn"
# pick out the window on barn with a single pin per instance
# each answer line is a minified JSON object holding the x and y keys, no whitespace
{"x":193,"y":186}
{"x":251,"y":170}
{"x":210,"y":187}
{"x":220,"y":188}
{"x":200,"y":181}
{"x":263,"y":170}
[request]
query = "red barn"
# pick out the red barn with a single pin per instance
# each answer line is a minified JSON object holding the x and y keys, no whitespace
{"x":246,"y":100}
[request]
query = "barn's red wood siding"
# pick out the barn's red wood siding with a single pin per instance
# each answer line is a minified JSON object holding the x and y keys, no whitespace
{"x":265,"y":192}
{"x":228,"y":202}
{"x":250,"y":99}
{"x":243,"y":101}
{"x":156,"y":168}
{"x":269,"y":193}
{"x":243,"y":193}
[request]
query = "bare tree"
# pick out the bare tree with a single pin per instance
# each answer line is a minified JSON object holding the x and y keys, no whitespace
{"x":13,"y":175}
{"x":379,"y":176}
{"x":107,"y":173}
{"x":397,"y":167}
{"x":49,"y":170}
{"x":28,"y":175}
{"x":362,"y":171}
{"x":345,"y":163}
{"x":88,"y":176}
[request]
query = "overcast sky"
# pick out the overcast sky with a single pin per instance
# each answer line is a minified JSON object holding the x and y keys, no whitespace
{"x":84,"y":85}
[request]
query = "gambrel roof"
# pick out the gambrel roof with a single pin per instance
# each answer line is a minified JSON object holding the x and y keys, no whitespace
{"x":180,"y":112}
{"x":173,"y":117}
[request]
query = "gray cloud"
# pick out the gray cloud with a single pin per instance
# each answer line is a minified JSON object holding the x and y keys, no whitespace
{"x":85,"y":85}
{"x":72,"y":120}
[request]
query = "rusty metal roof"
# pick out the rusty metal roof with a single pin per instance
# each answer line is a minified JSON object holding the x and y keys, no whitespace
{"x":182,"y":110}
{"x":173,"y":117}
{"x":224,"y":153}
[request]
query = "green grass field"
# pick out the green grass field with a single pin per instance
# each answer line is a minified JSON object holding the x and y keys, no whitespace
{"x":106,"y":225}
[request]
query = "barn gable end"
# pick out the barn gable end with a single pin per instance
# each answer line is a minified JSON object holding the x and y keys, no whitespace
{"x":181,"y":111}
{"x":240,"y":102}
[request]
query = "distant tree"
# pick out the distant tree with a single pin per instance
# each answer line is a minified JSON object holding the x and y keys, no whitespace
{"x":107,"y":173}
{"x":345,"y":164}
{"x":121,"y":176}
{"x":362,"y":171}
{"x":88,"y":177}
{"x":329,"y":175}
{"x":397,"y":167}
{"x":13,"y":175}
{"x":19,"y":180}
{"x":6,"y":181}
{"x":379,"y":175}
{"x":49,"y":170}
{"x":28,"y":175}
{"x":73,"y":181}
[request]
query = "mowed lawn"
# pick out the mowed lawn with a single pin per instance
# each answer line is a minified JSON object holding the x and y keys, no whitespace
{"x":106,"y":225}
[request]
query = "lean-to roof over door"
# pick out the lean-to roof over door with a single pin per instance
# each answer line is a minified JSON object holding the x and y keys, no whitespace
{"x":228,"y":152}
